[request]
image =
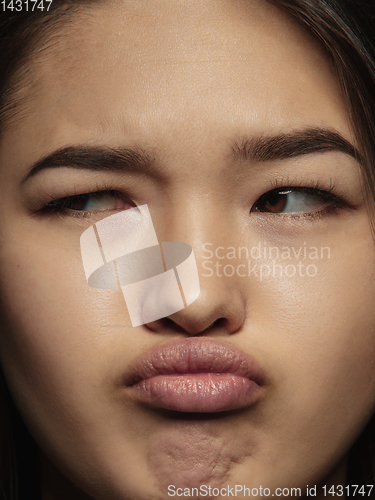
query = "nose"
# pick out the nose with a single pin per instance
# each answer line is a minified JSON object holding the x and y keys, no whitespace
{"x":219,"y":307}
{"x":221,"y":304}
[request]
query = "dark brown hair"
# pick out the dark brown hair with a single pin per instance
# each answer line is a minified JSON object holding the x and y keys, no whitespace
{"x":344,"y":27}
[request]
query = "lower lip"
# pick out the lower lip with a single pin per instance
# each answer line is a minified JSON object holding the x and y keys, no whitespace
{"x":198,"y":392}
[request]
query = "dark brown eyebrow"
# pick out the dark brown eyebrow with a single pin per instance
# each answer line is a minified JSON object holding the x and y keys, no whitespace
{"x":94,"y":158}
{"x":262,"y":148}
{"x":284,"y":146}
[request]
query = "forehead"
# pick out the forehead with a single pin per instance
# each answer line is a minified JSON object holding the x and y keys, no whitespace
{"x":142,"y":67}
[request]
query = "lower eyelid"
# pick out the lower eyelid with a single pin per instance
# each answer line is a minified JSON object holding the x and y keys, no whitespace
{"x":281,"y":220}
{"x":317,"y":214}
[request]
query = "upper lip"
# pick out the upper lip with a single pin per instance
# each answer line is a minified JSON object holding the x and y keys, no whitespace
{"x":193,"y":355}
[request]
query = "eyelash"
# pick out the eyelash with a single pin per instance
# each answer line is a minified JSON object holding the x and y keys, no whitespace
{"x":337,"y":200}
{"x":60,"y":206}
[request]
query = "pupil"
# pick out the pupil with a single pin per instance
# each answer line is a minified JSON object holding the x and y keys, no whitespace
{"x":273,"y":199}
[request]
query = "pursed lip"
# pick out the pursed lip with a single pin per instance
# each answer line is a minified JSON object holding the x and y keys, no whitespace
{"x":196,"y":375}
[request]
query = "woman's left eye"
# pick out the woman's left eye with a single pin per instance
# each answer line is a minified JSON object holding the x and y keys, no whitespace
{"x":292,"y":200}
{"x":89,"y":202}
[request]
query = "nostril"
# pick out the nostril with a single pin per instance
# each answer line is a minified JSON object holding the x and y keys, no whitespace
{"x":165,"y":324}
{"x":220,"y":322}
{"x":170,"y":324}
{"x":218,"y":311}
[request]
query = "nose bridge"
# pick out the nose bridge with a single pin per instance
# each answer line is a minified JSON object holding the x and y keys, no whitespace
{"x":196,"y":210}
{"x":200,"y":222}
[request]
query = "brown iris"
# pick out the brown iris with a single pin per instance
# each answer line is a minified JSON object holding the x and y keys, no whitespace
{"x":273,"y":202}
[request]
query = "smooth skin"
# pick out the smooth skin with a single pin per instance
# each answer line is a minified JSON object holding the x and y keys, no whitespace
{"x":184,"y":81}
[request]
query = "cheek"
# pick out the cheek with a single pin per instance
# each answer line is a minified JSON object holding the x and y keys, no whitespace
{"x":62,"y":348}
{"x":57,"y":328}
{"x":319,"y":306}
{"x":317,"y":337}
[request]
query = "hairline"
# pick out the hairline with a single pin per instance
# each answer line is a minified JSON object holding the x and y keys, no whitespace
{"x":38,"y":40}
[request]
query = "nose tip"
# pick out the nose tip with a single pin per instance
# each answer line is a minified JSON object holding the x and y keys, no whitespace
{"x":216,"y":309}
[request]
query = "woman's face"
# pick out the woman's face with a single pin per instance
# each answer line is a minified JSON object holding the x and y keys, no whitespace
{"x":223,"y":102}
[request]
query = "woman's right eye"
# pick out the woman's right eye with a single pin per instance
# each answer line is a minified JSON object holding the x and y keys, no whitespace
{"x":89,"y":202}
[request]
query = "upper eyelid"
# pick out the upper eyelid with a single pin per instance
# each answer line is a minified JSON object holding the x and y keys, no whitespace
{"x":88,"y":193}
{"x":331,"y":192}
{"x":304,"y":189}
{"x":61,"y":204}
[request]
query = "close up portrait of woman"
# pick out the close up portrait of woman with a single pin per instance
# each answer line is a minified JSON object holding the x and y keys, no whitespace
{"x":133,"y":132}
